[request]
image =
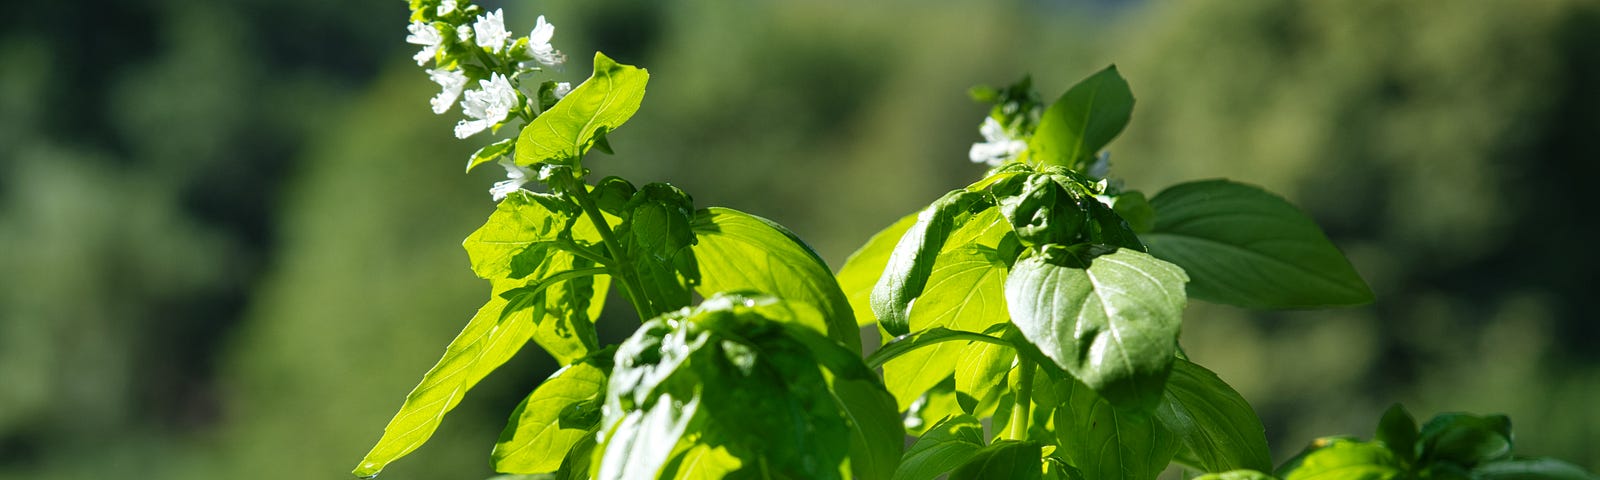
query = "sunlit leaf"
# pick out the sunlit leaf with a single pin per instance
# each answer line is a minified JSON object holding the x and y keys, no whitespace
{"x":1107,"y":443}
{"x":1080,"y":123}
{"x":862,"y":270}
{"x":739,"y":251}
{"x":1113,"y":325}
{"x":600,"y":104}
{"x":945,"y":446}
{"x":545,"y":427}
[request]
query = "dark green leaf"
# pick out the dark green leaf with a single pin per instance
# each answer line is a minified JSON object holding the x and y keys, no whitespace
{"x":1044,"y":212}
{"x":1113,"y":325}
{"x":490,"y":152}
{"x":602,"y":103}
{"x":948,"y":444}
{"x":1212,"y":421}
{"x":913,"y":259}
{"x":1083,"y":121}
{"x":739,"y":251}
{"x":1531,"y":469}
{"x":1244,"y":246}
{"x":543,"y":428}
{"x":862,"y":270}
{"x":1107,"y":443}
{"x":1398,"y":431}
{"x":1464,"y":439}
{"x":1135,"y":209}
{"x":1007,"y":459}
{"x":1343,"y":459}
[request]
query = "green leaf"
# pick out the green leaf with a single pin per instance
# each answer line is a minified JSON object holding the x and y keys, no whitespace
{"x":1398,"y":431}
{"x":965,"y":292}
{"x":945,"y":446}
{"x":1213,"y":421}
{"x":602,"y":103}
{"x":1235,"y":475}
{"x":739,"y":251}
{"x":1135,"y":209}
{"x":907,"y":343}
{"x":1107,"y":443}
{"x":550,"y":421}
{"x":517,"y":236}
{"x":862,"y":270}
{"x":1083,"y":121}
{"x":490,"y":152}
{"x":876,"y":434}
{"x":1531,"y":469}
{"x":1113,"y":325}
{"x":1007,"y":459}
{"x":1246,"y":247}
{"x":640,"y":442}
{"x":1464,"y":439}
{"x":1343,"y":459}
{"x":702,"y":462}
{"x":912,"y":262}
{"x":981,"y":371}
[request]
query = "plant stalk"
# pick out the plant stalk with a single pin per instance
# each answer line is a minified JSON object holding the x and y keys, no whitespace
{"x":1020,"y":415}
{"x":623,"y":265}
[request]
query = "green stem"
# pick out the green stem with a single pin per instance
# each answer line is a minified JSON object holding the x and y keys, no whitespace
{"x":623,"y":266}
{"x":1020,"y":416}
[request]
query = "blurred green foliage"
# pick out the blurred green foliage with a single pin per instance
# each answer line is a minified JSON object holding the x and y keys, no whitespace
{"x":229,"y":231}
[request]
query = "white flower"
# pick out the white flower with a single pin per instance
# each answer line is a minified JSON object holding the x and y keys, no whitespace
{"x":516,"y":176}
{"x":463,"y":33}
{"x":562,"y":89}
{"x":490,"y":30}
{"x":451,"y":82}
{"x":427,"y":36}
{"x":446,"y":7}
{"x":539,"y":44}
{"x":997,"y":147}
{"x":486,"y":107}
{"x":1101,"y":166}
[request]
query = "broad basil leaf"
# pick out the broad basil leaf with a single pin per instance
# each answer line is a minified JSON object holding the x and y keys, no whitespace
{"x":1246,"y":247}
{"x":558,"y":414}
{"x":1107,"y":443}
{"x":1212,"y":421}
{"x":1083,"y":121}
{"x":981,"y":373}
{"x":1343,"y":459}
{"x":876,"y":434}
{"x":1464,"y":439}
{"x":862,"y":270}
{"x":1531,"y":469}
{"x":966,"y":292}
{"x":639,"y":442}
{"x":947,"y":445}
{"x":913,"y":259}
{"x":1113,"y":325}
{"x":1007,"y":459}
{"x":702,"y":462}
{"x":1398,"y":431}
{"x":518,"y":235}
{"x":601,"y":104}
{"x":739,"y":251}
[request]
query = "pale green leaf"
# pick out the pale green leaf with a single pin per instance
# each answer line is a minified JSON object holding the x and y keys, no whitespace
{"x":1107,"y":443}
{"x":862,"y":270}
{"x":1244,"y":246}
{"x":516,"y":236}
{"x":945,"y":446}
{"x":910,"y":266}
{"x":739,"y":251}
{"x":1343,"y":459}
{"x":1235,"y":475}
{"x":1080,"y":123}
{"x":541,"y":431}
{"x":600,"y":104}
{"x":1212,"y":421}
{"x":1113,"y":325}
{"x":490,"y":152}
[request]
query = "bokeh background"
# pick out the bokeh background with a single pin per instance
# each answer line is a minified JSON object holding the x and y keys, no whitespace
{"x":229,"y":230}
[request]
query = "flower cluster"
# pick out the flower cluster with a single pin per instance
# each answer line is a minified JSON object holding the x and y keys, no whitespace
{"x":1011,"y":121}
{"x":478,"y":62}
